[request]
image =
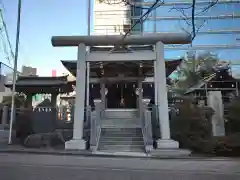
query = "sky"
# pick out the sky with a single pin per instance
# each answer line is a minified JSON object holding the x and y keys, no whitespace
{"x":42,"y":19}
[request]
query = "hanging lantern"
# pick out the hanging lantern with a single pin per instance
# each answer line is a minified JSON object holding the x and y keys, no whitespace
{"x":106,"y":91}
{"x":138,"y":90}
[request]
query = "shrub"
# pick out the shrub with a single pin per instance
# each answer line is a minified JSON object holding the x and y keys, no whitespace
{"x":191,"y":126}
{"x":233,"y":114}
{"x":23,"y":125}
{"x":225,"y":146}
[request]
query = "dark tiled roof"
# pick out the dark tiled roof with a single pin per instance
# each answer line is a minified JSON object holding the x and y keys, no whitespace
{"x":171,"y":65}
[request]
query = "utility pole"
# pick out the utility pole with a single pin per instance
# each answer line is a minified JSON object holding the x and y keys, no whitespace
{"x":15,"y":71}
{"x":89,"y":17}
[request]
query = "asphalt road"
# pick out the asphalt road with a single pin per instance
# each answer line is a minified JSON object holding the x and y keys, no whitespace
{"x":52,"y":167}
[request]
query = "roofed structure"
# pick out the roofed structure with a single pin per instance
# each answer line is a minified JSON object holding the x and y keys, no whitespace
{"x":114,"y":68}
{"x":36,"y":84}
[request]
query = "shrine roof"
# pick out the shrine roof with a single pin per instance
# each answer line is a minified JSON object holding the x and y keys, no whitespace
{"x":37,"y":84}
{"x":214,"y":78}
{"x":42,"y":78}
{"x":171,"y":65}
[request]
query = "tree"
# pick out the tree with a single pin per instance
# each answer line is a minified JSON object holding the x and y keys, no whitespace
{"x":232,"y":116}
{"x":194,"y":68}
{"x":19,"y":100}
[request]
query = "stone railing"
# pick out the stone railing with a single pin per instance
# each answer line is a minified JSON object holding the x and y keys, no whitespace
{"x":146,"y":126}
{"x":96,"y":126}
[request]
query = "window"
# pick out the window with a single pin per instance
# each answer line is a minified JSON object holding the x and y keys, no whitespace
{"x":126,"y":27}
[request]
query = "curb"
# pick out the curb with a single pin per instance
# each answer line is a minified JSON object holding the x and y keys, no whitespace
{"x":89,"y":154}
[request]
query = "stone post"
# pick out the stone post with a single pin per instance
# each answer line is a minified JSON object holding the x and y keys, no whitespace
{"x":215,"y":102}
{"x":4,"y":115}
{"x":140,"y":97}
{"x":102,"y":92}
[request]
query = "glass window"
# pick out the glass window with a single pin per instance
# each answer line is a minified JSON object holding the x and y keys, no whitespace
{"x":148,"y":26}
{"x":172,"y":26}
{"x":219,"y":24}
{"x":212,"y":39}
{"x":218,"y":9}
{"x":174,"y":11}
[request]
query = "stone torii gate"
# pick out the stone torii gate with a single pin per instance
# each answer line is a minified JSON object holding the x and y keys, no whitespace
{"x":159,"y":74}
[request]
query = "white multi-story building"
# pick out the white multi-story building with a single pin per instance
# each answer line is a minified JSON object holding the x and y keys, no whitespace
{"x":110,"y":19}
{"x":113,"y":17}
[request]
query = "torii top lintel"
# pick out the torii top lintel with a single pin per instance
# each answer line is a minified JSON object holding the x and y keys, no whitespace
{"x":150,"y":39}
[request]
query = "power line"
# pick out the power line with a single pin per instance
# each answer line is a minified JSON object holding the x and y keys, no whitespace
{"x":7,"y":35}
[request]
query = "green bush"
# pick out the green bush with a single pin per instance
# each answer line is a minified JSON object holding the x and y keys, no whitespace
{"x":232,"y":116}
{"x":191,"y":126}
{"x":224,"y":146}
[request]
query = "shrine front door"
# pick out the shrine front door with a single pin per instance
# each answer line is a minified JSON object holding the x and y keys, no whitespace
{"x":121,"y":95}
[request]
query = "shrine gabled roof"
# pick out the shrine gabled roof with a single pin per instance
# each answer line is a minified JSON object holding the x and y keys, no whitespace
{"x":43,"y":78}
{"x":211,"y":78}
{"x":41,"y":84}
{"x":39,"y":81}
{"x":171,"y":65}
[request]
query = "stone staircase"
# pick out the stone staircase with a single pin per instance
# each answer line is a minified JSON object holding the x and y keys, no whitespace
{"x":4,"y":133}
{"x":121,"y":118}
{"x":121,"y":132}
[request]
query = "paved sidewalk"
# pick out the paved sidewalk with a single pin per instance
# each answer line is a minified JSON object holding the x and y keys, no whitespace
{"x":58,"y":167}
{"x":18,"y":149}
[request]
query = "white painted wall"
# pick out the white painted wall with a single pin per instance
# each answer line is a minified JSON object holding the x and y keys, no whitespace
{"x":110,"y":19}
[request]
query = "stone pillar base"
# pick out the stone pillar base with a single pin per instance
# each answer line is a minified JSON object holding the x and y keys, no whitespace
{"x":167,"y":144}
{"x":75,"y":144}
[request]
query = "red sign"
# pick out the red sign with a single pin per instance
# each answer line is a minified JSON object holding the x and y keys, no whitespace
{"x":54,"y":73}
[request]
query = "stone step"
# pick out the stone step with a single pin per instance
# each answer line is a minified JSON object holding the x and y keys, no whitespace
{"x":121,"y":142}
{"x":121,"y":113}
{"x":138,"y":130}
{"x":122,"y":120}
{"x":121,"y":133}
{"x":4,"y":133}
{"x":133,"y":119}
{"x":122,"y":148}
{"x":4,"y":127}
{"x":121,"y":138}
{"x":127,"y":126}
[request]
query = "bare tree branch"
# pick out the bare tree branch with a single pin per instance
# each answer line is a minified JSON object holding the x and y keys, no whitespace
{"x":193,"y":19}
{"x":190,"y":22}
{"x":144,"y":16}
{"x":193,"y":14}
{"x":125,"y":2}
